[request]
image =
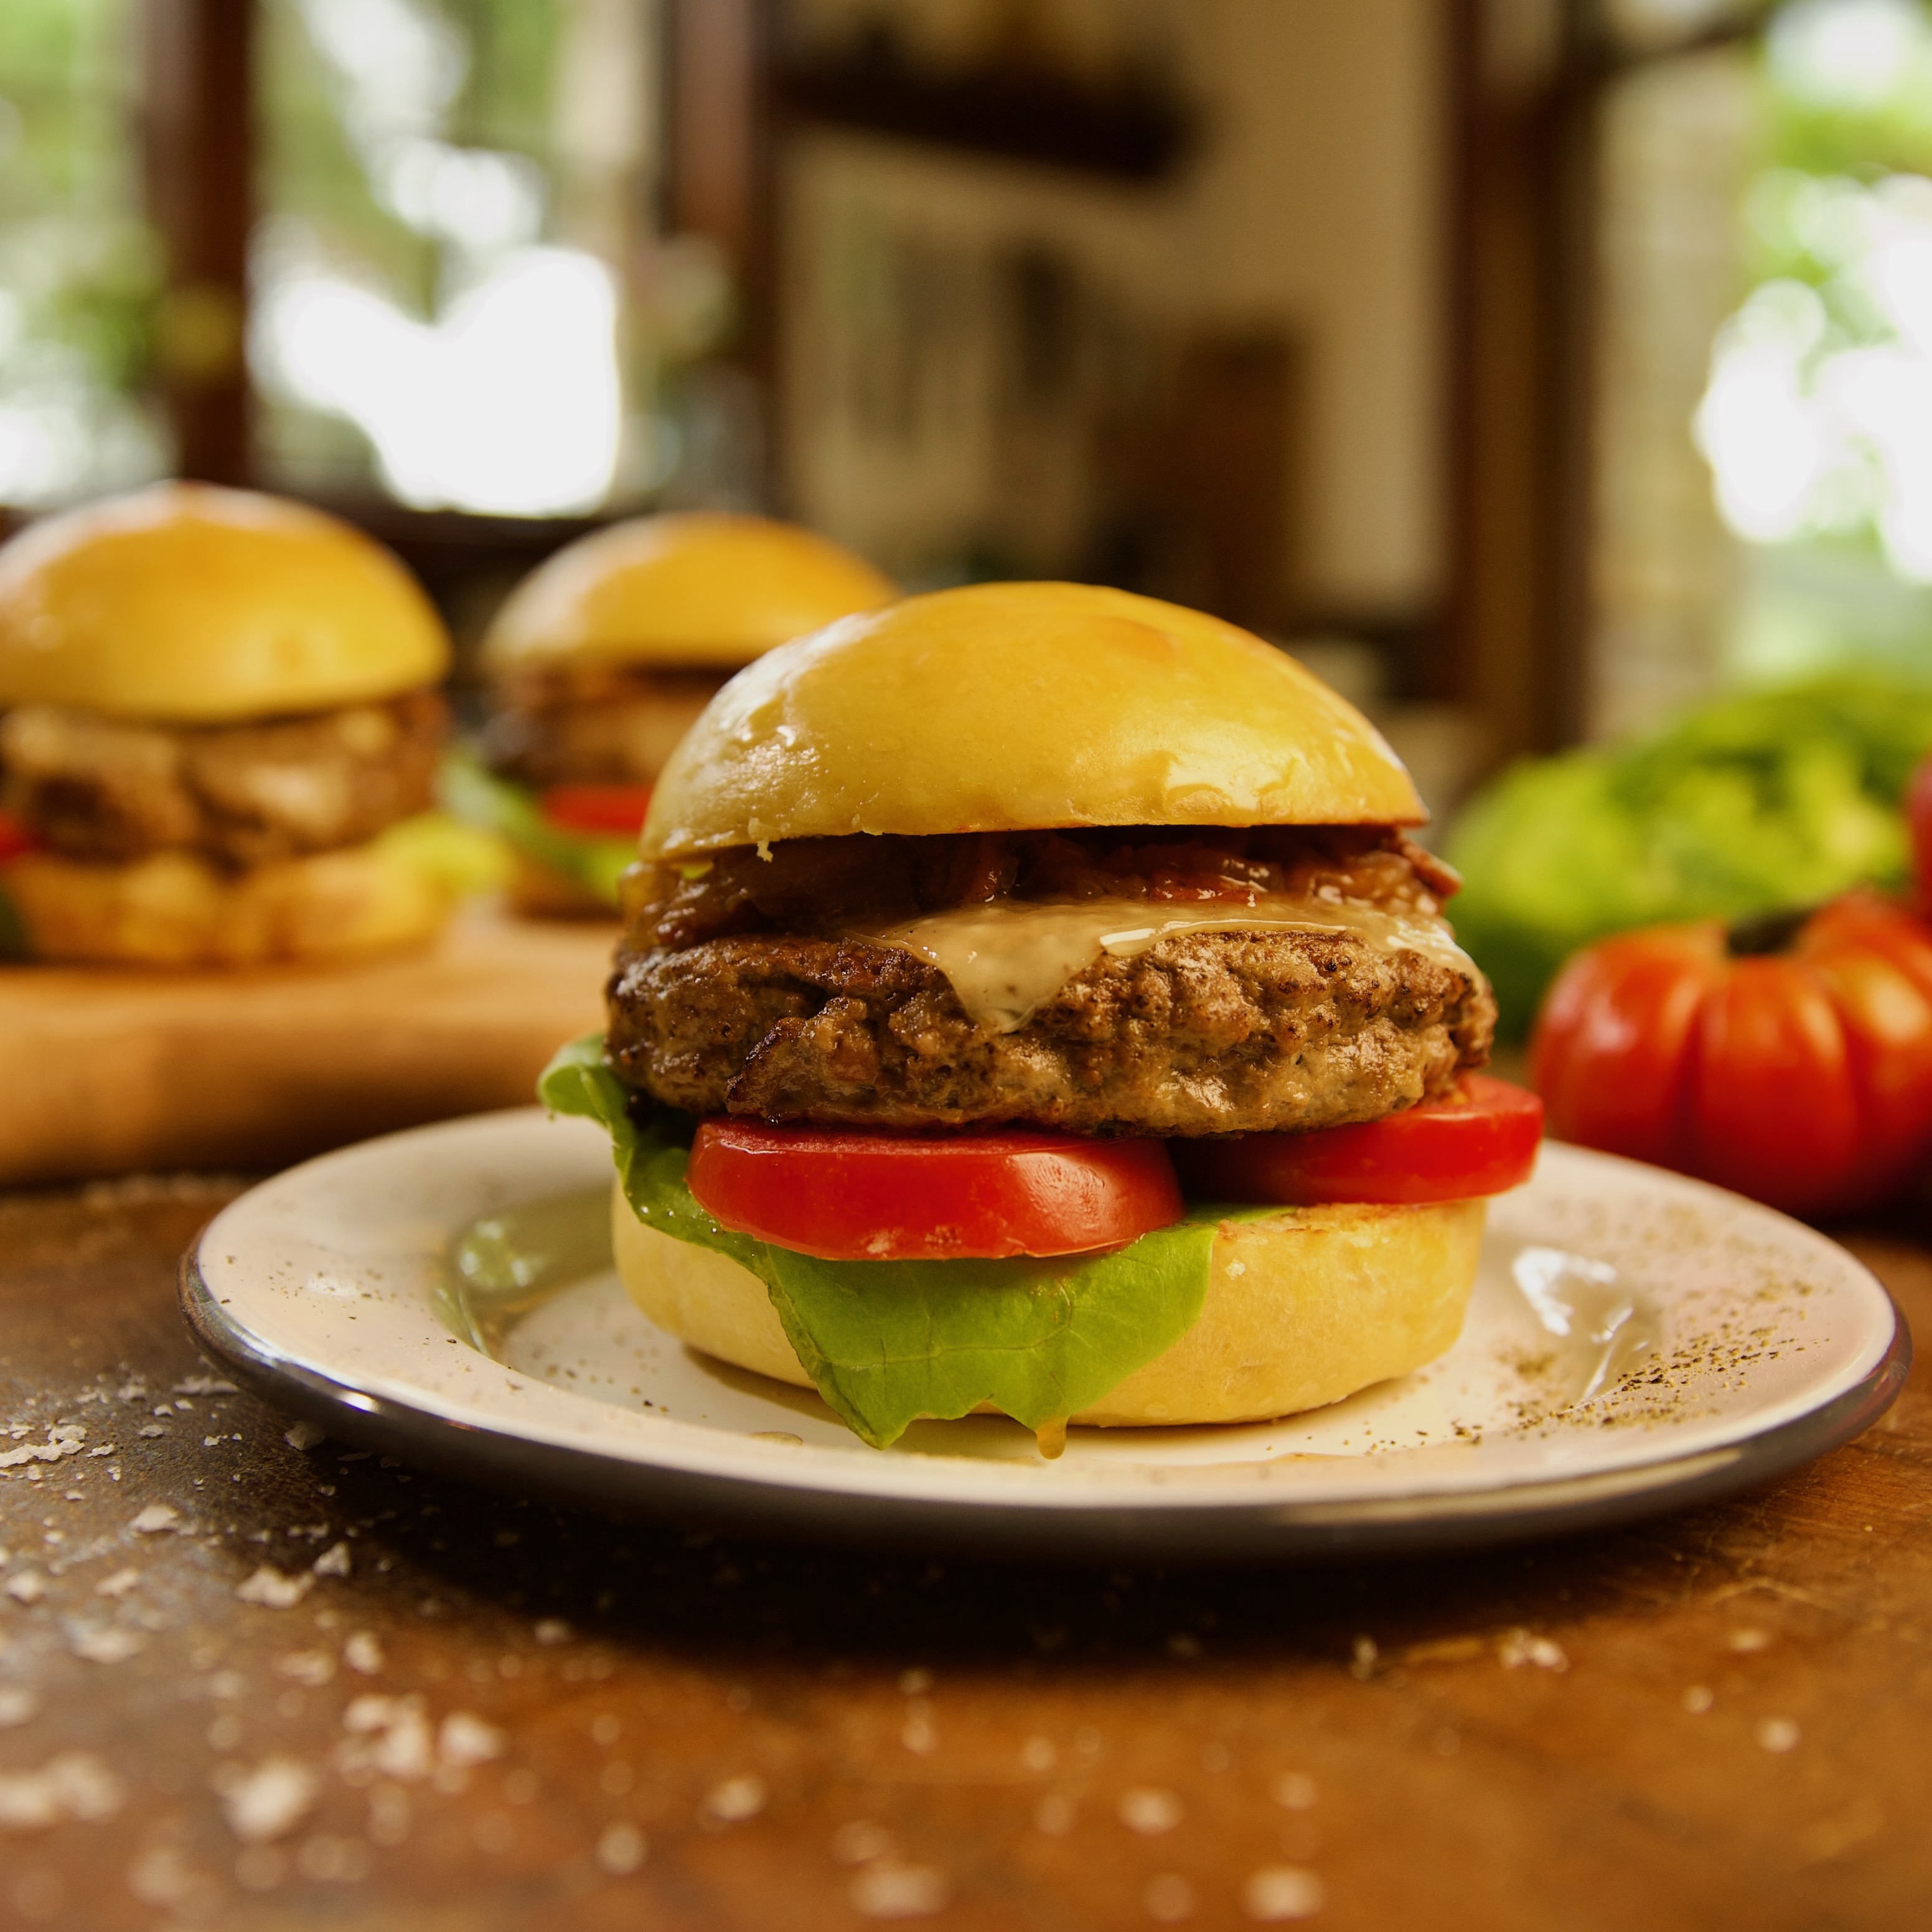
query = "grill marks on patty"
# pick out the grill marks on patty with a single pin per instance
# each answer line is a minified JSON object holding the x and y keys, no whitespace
{"x":112,"y":790}
{"x":593,"y":723}
{"x":716,"y":1006}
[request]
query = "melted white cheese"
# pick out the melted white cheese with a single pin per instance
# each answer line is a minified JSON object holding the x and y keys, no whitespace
{"x":1007,"y":957}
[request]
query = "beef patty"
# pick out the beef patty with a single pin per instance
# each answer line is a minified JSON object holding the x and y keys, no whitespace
{"x":720,"y":1004}
{"x":593,"y":724}
{"x":110,"y":789}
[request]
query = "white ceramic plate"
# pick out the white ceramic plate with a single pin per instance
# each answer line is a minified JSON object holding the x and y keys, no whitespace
{"x":1637,"y":1341}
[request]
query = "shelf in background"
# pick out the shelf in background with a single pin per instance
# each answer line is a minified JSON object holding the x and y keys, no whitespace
{"x":1011,"y":113}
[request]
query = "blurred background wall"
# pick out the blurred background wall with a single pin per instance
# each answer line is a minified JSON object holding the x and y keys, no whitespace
{"x":1535,"y":367}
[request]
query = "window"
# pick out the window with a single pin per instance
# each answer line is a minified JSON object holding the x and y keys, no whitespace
{"x":79,"y":269}
{"x":453,"y":241}
{"x":1764,"y":398}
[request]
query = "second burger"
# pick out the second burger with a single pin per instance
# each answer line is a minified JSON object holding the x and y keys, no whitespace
{"x":603,"y":659}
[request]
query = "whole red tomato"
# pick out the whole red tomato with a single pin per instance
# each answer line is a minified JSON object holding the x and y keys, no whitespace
{"x":1789,"y":1058}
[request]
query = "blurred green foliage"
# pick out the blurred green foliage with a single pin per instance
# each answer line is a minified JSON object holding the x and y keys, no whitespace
{"x":322,"y":127}
{"x":1885,"y":129}
{"x":63,"y":78}
{"x":80,"y":272}
{"x":1764,"y":800}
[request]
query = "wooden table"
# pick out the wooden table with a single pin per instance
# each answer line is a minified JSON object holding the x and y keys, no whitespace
{"x":491,"y":1714}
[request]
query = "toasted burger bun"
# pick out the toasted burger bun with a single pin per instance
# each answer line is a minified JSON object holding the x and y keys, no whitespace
{"x":692,"y":590}
{"x":174,"y":909}
{"x":185,"y":604}
{"x":1014,"y":707}
{"x":1305,"y":1306}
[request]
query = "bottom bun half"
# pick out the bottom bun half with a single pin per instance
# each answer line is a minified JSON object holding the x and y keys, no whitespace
{"x":175,"y":909}
{"x":1304,"y":1307}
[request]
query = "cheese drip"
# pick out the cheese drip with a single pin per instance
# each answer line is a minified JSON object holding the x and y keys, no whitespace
{"x":1005,"y":958}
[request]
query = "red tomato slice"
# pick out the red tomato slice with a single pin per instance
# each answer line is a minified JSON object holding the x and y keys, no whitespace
{"x":844,"y":1195}
{"x":1480,"y":1140}
{"x":614,"y":808}
{"x":15,"y":839}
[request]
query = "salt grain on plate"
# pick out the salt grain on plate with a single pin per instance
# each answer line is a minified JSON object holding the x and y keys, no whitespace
{"x":1149,"y":1810}
{"x":28,"y":1587}
{"x":304,"y":1436}
{"x":17,"y":1704}
{"x":268,"y":1802}
{"x":118,"y":1584}
{"x":155,"y":1518}
{"x":1699,"y":1698}
{"x":1279,"y":1892}
{"x":312,"y":1667}
{"x":333,"y":1561}
{"x":1778,"y":1734}
{"x":75,"y":1785}
{"x":274,"y":1591}
{"x":899,"y":1892}
{"x":735,"y":1799}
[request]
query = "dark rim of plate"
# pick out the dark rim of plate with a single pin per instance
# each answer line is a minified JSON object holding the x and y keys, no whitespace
{"x":1239,"y":1531}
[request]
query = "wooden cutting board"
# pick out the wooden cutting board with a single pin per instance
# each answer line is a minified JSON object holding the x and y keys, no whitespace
{"x":106,"y":1071}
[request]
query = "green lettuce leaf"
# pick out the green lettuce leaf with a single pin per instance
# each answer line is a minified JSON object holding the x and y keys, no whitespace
{"x":1749,"y":804}
{"x":888,"y":1343}
{"x":480,"y":798}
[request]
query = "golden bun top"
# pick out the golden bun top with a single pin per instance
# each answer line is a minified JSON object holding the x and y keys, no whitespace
{"x":187,"y":604}
{"x":699,"y":588}
{"x":1009,"y":707}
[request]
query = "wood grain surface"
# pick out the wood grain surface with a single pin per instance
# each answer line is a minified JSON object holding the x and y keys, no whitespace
{"x":107,"y":1071}
{"x":320,"y":1690}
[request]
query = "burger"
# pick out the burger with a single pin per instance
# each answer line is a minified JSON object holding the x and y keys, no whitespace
{"x":219,"y":732}
{"x":605,"y":657}
{"x":1031,"y":1000}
